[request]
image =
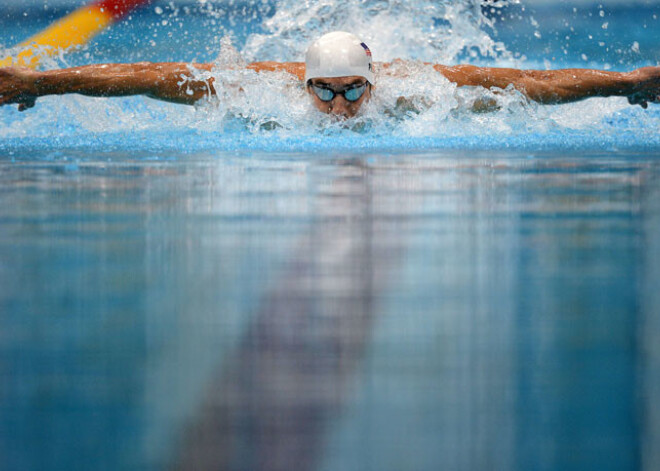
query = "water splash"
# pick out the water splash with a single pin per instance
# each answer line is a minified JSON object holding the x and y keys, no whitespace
{"x":418,"y":29}
{"x":413,"y":106}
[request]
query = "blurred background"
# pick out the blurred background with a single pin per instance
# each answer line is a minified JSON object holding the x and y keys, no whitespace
{"x":611,"y":34}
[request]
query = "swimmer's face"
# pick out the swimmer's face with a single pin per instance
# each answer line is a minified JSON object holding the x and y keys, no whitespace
{"x":339,"y":105}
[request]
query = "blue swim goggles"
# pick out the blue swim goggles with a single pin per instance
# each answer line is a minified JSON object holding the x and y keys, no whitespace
{"x":327,"y":94}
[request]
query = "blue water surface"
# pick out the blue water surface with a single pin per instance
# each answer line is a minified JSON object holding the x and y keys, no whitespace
{"x":613,"y":37}
{"x":183,"y":292}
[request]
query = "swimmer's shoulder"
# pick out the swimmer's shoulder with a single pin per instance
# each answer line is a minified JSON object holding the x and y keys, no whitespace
{"x":294,"y":68}
{"x":401,"y":67}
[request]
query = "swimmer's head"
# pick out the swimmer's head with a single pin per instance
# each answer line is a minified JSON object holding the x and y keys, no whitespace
{"x":339,"y":73}
{"x":338,"y":54}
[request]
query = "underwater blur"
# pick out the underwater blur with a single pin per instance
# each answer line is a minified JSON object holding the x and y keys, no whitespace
{"x":250,"y":285}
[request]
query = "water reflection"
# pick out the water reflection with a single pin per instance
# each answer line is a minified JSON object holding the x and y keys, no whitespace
{"x":649,"y":382}
{"x":342,"y":312}
{"x":269,"y":408}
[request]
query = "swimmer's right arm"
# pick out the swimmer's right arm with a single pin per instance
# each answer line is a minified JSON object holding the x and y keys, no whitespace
{"x":170,"y":81}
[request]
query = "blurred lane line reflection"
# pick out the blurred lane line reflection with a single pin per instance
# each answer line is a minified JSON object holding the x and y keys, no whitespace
{"x":269,"y":407}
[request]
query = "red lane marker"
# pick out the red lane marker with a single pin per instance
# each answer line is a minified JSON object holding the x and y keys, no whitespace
{"x":119,"y":8}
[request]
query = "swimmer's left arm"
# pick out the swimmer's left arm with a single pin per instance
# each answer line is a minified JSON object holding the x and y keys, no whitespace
{"x":641,"y":86}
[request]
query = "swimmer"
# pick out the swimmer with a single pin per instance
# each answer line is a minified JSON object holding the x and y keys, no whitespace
{"x":338,"y":74}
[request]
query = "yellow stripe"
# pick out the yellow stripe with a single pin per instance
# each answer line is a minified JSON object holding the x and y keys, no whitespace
{"x":73,"y":30}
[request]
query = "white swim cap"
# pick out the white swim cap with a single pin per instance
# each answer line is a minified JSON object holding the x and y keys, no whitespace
{"x":338,"y":54}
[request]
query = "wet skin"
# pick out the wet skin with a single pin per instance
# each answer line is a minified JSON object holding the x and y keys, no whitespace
{"x":339,"y":105}
{"x":163,"y":81}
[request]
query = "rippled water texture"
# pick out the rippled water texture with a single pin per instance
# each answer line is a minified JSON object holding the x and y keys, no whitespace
{"x":347,"y":312}
{"x":247,"y":285}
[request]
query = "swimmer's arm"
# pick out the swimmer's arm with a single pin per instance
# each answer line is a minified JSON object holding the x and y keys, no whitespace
{"x":641,"y":86}
{"x":296,"y":69}
{"x":171,"y":82}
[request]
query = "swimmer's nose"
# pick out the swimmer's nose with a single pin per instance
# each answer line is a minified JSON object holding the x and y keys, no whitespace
{"x":339,"y":107}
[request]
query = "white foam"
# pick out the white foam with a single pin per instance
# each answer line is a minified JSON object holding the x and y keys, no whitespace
{"x":405,"y":29}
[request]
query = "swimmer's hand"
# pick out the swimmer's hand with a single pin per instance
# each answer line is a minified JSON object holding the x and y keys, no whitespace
{"x":17,"y":86}
{"x":645,"y":86}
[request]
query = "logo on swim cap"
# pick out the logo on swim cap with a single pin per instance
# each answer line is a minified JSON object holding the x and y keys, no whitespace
{"x":366,"y":48}
{"x":338,"y":54}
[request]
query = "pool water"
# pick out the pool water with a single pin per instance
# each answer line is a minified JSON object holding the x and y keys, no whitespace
{"x":186,"y":288}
